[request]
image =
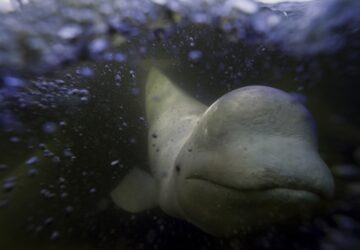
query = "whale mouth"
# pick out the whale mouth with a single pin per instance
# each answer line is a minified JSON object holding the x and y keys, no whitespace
{"x":271,"y":189}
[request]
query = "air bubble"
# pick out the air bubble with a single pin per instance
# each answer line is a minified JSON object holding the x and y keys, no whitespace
{"x":4,"y":203}
{"x":32,"y":172}
{"x":3,"y":167}
{"x":55,"y":235}
{"x":32,"y":160}
{"x":120,"y":57}
{"x":69,"y":209}
{"x":113,"y":163}
{"x":47,"y":153}
{"x":98,"y":46}
{"x":132,"y":73}
{"x":135,"y":91}
{"x":48,"y":221}
{"x":9,"y":183}
{"x":47,"y":193}
{"x":195,"y":55}
{"x":49,"y":127}
{"x":84,"y":99}
{"x":14,"y":139}
{"x":117,"y":77}
{"x":62,"y":123}
{"x":85,"y":72}
{"x":64,"y":195}
{"x":13,"y":82}
{"x":70,"y":32}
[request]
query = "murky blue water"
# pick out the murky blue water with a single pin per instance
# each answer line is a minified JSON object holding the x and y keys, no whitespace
{"x":72,"y":119}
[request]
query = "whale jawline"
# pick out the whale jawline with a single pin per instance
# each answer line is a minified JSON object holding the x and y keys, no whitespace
{"x":282,"y":189}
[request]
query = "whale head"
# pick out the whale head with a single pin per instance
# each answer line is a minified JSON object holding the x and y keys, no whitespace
{"x":250,"y":161}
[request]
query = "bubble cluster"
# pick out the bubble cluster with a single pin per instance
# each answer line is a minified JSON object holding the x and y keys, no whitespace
{"x":92,"y":28}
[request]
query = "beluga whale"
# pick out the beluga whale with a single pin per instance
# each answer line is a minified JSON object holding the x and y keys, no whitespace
{"x":247,"y":162}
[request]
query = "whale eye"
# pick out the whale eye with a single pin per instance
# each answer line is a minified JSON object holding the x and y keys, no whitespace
{"x":177,"y":168}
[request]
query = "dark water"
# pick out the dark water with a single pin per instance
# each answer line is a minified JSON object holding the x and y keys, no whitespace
{"x":72,"y":126}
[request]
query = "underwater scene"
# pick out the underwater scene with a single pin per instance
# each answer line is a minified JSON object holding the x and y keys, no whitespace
{"x":177,"y":124}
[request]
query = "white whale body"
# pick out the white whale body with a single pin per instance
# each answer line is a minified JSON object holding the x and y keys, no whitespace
{"x":248,"y":161}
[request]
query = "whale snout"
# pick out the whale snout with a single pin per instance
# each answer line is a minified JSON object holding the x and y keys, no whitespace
{"x":226,"y":191}
{"x":288,"y":165}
